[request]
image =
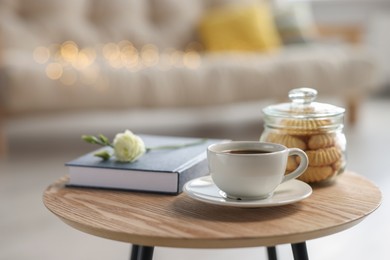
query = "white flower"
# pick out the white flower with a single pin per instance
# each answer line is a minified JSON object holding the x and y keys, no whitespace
{"x":128,"y":147}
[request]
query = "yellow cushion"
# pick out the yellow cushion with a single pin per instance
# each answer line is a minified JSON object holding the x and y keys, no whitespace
{"x":237,"y":28}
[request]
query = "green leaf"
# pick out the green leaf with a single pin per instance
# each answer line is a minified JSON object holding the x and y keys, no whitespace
{"x":103,"y":154}
{"x":104,"y":139}
{"x":89,"y":139}
{"x":101,"y":140}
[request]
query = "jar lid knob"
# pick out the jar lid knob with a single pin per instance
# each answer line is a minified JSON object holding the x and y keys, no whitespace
{"x":302,"y":95}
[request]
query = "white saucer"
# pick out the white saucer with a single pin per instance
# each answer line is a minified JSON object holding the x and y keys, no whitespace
{"x":204,"y":189}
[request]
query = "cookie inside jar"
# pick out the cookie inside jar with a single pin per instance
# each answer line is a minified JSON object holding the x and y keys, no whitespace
{"x":313,"y":127}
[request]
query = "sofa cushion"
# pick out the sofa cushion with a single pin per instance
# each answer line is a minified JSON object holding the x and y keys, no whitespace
{"x":294,"y":22}
{"x":28,"y":24}
{"x":239,"y":28}
{"x":146,"y":22}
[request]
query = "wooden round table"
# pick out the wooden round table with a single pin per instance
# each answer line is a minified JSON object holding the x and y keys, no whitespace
{"x":148,"y":220}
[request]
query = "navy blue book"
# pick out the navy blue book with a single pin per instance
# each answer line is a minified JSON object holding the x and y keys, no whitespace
{"x":160,"y":171}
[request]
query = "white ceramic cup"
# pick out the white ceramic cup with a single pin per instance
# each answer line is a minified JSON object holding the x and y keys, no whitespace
{"x":251,"y":175}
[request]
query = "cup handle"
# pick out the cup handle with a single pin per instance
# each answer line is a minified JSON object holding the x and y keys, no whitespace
{"x":304,"y":162}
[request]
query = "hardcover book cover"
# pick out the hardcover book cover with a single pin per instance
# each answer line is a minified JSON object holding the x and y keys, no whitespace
{"x":160,"y":171}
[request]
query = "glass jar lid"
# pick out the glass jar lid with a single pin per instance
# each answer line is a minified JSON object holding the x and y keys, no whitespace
{"x":303,"y":107}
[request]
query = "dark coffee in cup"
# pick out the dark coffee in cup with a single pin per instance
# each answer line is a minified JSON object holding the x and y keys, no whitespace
{"x":246,"y":151}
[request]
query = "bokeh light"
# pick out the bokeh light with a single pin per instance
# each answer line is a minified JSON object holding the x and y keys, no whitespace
{"x":41,"y":54}
{"x":70,"y":64}
{"x":54,"y":71}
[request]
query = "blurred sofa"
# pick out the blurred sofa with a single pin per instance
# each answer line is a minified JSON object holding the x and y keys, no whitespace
{"x":124,"y":54}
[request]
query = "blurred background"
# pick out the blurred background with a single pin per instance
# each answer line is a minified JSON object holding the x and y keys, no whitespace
{"x":193,"y":68}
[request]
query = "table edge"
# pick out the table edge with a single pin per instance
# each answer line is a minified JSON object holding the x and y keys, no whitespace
{"x":214,"y":243}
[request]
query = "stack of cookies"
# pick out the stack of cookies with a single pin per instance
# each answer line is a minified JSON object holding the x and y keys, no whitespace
{"x":323,"y":145}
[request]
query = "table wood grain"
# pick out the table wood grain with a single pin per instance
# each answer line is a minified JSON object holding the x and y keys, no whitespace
{"x":180,"y":221}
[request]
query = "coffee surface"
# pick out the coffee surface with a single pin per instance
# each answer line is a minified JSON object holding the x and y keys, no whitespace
{"x":246,"y":151}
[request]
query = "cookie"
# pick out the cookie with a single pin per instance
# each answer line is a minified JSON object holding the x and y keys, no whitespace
{"x":339,"y":166}
{"x":291,"y":164}
{"x":317,"y":174}
{"x":305,"y":126}
{"x":286,"y":140}
{"x":321,"y":141}
{"x":322,"y":157}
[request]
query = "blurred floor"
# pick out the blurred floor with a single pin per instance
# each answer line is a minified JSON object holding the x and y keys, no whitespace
{"x":29,"y":231}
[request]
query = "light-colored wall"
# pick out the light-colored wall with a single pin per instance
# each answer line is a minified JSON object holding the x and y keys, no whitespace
{"x":374,"y":18}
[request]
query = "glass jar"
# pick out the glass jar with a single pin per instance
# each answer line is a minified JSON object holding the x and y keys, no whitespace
{"x":316,"y":128}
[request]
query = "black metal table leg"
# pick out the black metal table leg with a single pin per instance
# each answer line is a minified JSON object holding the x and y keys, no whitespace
{"x":142,"y":252}
{"x":134,"y":252}
{"x":146,"y":252}
{"x":271,"y":251}
{"x":300,"y":251}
